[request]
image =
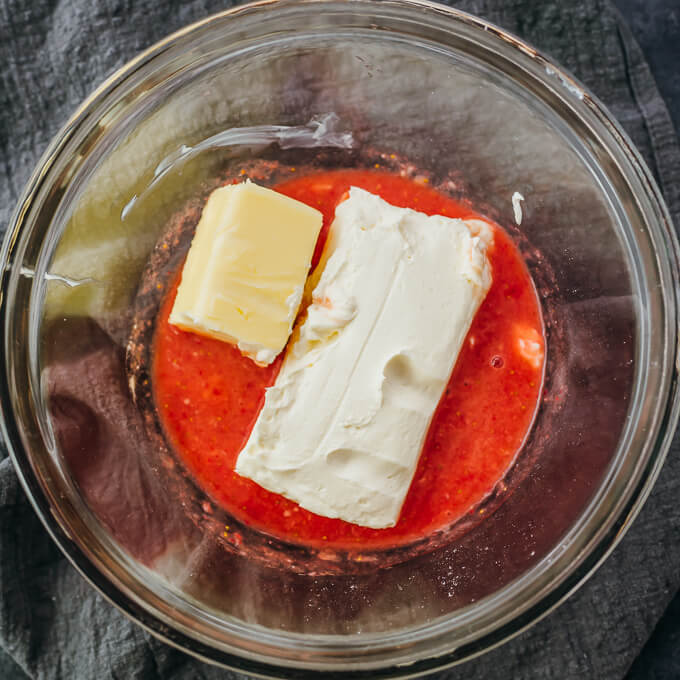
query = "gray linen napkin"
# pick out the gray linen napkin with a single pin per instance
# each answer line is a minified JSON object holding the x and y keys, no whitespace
{"x":52,"y":624}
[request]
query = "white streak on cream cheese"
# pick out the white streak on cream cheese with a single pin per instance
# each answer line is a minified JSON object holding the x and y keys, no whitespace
{"x":342,"y":428}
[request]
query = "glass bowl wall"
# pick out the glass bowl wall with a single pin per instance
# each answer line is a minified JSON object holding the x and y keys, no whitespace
{"x":420,"y":88}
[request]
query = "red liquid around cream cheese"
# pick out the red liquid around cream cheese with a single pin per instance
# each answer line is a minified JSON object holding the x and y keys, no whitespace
{"x":208,"y":395}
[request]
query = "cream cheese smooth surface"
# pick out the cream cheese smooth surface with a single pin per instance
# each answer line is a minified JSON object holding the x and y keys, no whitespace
{"x":245,"y":272}
{"x":342,"y":428}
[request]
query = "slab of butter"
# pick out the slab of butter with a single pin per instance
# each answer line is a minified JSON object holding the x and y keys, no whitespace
{"x":246,"y":269}
{"x":393,"y":298}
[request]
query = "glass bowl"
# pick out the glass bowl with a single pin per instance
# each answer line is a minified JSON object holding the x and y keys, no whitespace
{"x":410,"y":86}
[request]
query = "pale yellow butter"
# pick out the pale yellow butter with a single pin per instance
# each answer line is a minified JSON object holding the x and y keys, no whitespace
{"x":246,"y":269}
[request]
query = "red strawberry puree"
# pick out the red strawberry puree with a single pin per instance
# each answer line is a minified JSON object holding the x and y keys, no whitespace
{"x":209,"y":395}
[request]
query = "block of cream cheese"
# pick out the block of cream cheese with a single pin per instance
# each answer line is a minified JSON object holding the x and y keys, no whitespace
{"x":394,"y":295}
{"x":246,"y":269}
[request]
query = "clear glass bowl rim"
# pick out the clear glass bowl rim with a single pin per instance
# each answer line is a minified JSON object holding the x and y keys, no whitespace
{"x":559,"y":581}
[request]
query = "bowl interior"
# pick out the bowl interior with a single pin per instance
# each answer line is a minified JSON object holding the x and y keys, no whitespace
{"x":406,"y":87}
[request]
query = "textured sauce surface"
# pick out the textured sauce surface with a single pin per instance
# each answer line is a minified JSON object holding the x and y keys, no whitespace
{"x":208,"y":395}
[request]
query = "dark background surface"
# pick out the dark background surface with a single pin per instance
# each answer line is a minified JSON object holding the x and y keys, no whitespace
{"x":656,"y":26}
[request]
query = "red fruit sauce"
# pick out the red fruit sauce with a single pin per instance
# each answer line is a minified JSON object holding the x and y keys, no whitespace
{"x":208,"y":395}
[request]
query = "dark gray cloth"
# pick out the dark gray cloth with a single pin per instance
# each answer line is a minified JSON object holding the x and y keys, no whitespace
{"x":52,"y":624}
{"x":655,"y":24}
